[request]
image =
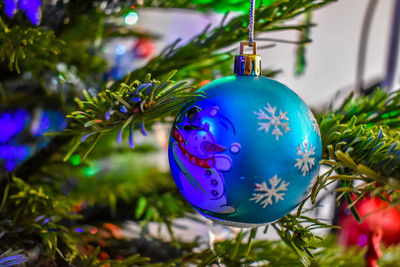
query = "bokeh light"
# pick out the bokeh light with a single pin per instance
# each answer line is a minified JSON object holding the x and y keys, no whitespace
{"x":131,"y":18}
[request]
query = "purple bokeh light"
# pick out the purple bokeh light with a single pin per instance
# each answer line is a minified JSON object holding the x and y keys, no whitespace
{"x":10,"y":7}
{"x":11,"y":124}
{"x":30,"y":7}
{"x":362,"y":240}
{"x":7,"y":127}
{"x":14,"y":130}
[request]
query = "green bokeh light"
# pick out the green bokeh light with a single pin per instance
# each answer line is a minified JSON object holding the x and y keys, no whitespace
{"x":75,"y":160}
{"x":131,"y":18}
{"x":231,"y":5}
{"x":92,"y":169}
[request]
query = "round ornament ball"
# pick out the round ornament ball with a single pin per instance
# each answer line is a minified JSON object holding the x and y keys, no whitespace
{"x":245,"y":154}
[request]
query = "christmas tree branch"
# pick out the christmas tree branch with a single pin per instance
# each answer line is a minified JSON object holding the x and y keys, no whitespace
{"x":34,"y":213}
{"x":19,"y":43}
{"x":131,"y":105}
{"x":361,"y":142}
{"x":277,"y":253}
{"x":25,"y":47}
{"x":202,"y":47}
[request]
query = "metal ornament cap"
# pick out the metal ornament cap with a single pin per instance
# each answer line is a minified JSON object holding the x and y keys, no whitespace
{"x":247,"y":64}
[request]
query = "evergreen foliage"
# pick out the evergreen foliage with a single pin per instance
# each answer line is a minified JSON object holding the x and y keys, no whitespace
{"x":360,"y":141}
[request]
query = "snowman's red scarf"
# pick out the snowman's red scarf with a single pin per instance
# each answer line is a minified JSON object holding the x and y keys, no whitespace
{"x":204,"y":163}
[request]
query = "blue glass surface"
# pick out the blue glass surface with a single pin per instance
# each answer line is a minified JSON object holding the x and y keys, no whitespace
{"x":246,"y":154}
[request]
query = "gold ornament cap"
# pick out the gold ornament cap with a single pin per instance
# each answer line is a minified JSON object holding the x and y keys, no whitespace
{"x":247,"y":64}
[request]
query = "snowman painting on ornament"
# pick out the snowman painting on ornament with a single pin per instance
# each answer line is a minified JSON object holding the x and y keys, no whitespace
{"x":201,"y":159}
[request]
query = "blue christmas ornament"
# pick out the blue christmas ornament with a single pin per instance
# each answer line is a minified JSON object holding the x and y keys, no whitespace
{"x":245,"y":155}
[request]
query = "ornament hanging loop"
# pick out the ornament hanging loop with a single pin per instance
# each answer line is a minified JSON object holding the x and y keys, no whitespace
{"x":253,"y":45}
{"x":251,"y":23}
{"x":247,"y":64}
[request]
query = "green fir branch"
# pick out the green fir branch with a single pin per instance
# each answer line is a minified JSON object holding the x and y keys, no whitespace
{"x":34,"y":213}
{"x":268,"y":253}
{"x":363,"y":135}
{"x":35,"y":49}
{"x":131,"y":105}
{"x":20,"y":43}
{"x":203,"y":47}
{"x":361,"y":142}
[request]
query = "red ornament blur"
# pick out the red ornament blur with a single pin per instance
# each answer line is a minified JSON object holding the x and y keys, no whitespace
{"x":144,"y":48}
{"x":377,"y":217}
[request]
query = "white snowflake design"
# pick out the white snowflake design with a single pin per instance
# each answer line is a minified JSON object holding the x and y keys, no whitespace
{"x":266,"y":194}
{"x":306,"y":161}
{"x":276,"y":121}
{"x":314,"y":122}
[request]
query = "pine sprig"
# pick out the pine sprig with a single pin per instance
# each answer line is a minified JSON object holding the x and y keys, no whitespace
{"x":131,"y":105}
{"x":19,"y":43}
{"x":277,"y":253}
{"x":361,"y":142}
{"x":203,"y":47}
{"x":23,"y":47}
{"x":365,"y":131}
{"x":31,"y":215}
{"x":296,"y":231}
